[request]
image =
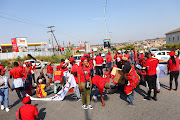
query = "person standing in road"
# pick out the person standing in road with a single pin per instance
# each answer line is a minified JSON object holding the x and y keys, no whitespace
{"x":151,"y":64}
{"x":4,"y":90}
{"x":1,"y":67}
{"x":83,"y":75}
{"x":99,"y":61}
{"x":17,"y":74}
{"x":118,"y":58}
{"x":49,"y":72}
{"x":173,"y":68}
{"x":109,"y":60}
{"x":135,"y":57}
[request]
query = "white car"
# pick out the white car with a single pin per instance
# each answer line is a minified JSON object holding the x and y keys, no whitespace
{"x":38,"y":63}
{"x":78,"y":58}
{"x":162,"y":56}
{"x":153,"y":50}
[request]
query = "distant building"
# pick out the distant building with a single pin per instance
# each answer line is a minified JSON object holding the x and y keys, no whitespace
{"x":173,"y":36}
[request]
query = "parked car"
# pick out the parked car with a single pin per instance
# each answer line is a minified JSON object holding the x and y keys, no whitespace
{"x":78,"y":58}
{"x":153,"y":50}
{"x":162,"y":56}
{"x":39,"y":64}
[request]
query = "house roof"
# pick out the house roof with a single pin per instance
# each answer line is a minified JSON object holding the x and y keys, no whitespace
{"x":173,"y":31}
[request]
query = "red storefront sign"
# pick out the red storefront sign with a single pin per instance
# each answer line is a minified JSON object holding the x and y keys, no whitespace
{"x":14,"y":45}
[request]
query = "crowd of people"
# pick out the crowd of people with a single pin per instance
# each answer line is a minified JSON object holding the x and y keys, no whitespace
{"x":136,"y":67}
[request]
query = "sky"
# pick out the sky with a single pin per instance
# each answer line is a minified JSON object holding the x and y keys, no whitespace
{"x":83,"y":20}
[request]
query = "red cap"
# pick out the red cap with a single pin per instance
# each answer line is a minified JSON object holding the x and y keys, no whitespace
{"x":83,"y":58}
{"x":109,"y":52}
{"x":30,"y":62}
{"x":3,"y":70}
{"x":172,"y":53}
{"x":134,"y":50}
{"x":26,"y":100}
{"x":26,"y":62}
{"x":58,"y":67}
{"x":85,"y":54}
{"x":71,"y":59}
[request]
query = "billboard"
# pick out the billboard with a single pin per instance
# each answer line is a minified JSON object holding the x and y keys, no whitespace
{"x":21,"y":42}
{"x":14,"y":45}
{"x":107,"y":43}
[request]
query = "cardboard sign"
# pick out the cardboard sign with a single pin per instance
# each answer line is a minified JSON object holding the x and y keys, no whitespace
{"x":119,"y":77}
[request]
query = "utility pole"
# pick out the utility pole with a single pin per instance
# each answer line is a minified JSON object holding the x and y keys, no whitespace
{"x":52,"y":33}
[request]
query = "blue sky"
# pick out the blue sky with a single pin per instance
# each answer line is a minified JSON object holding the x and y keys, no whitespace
{"x":76,"y":20}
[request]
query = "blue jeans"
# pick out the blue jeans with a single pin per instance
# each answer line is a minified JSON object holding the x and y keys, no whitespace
{"x":109,"y":64}
{"x":131,"y":97}
{"x":76,"y":91}
{"x":96,"y":90}
{"x":4,"y":96}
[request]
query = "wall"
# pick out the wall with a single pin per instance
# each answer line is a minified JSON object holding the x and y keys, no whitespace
{"x":171,"y":36}
{"x":13,"y":55}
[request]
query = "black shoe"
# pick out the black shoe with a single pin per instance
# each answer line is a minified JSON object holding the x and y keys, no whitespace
{"x":147,"y":98}
{"x":154,"y":98}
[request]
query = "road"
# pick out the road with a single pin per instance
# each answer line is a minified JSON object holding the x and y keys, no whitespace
{"x":166,"y":108}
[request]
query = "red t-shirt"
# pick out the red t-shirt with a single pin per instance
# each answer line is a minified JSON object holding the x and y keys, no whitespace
{"x":142,"y":55}
{"x":58,"y":75}
{"x":64,"y":69}
{"x":108,"y":58}
{"x":135,"y":56}
{"x":152,"y":64}
{"x":28,"y":112}
{"x":50,"y":68}
{"x":75,"y":68}
{"x":1,"y":67}
{"x":118,"y":57}
{"x":81,"y":73}
{"x":142,"y":63}
{"x":16,"y":72}
{"x":91,"y":64}
{"x":128,"y":56}
{"x":99,"y":82}
{"x":99,"y":60}
{"x":172,"y":66}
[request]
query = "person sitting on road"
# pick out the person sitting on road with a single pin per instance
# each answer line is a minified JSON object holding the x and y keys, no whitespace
{"x":41,"y":76}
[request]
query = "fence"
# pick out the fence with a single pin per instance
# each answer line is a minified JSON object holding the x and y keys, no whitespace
{"x":14,"y":55}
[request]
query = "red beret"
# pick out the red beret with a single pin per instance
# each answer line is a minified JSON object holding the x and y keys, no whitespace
{"x":134,"y":50}
{"x":109,"y":52}
{"x":85,"y":54}
{"x":26,"y":100}
{"x":83,"y":58}
{"x":26,"y":62}
{"x":58,"y":67}
{"x":3,"y":70}
{"x":71,"y":59}
{"x":172,"y":53}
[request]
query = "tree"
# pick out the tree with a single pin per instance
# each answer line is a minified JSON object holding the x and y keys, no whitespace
{"x":68,"y":51}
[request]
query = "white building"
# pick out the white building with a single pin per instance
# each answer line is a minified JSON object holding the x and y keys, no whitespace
{"x":173,"y":36}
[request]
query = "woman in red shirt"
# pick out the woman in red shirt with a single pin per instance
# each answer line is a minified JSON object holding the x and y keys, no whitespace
{"x":83,"y":74}
{"x":173,"y":67}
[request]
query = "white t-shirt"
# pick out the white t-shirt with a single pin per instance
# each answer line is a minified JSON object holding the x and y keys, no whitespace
{"x":4,"y":82}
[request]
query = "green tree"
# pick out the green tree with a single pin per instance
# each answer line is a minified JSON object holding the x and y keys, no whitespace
{"x":68,"y":51}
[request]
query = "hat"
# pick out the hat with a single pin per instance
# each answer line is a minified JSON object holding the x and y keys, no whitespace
{"x":3,"y":70}
{"x":109,"y":52}
{"x":83,"y":58}
{"x":58,"y":67}
{"x":172,"y":53}
{"x":40,"y":80}
{"x":133,"y":49}
{"x":119,"y":51}
{"x":26,"y":100}
{"x":71,"y":59}
{"x":141,"y":52}
{"x":30,"y":62}
{"x":26,"y":62}
{"x":124,"y":58}
{"x":85,"y":55}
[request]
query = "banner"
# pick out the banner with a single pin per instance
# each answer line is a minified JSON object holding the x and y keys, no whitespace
{"x":107,"y":43}
{"x":14,"y":45}
{"x":21,"y":42}
{"x":62,"y":93}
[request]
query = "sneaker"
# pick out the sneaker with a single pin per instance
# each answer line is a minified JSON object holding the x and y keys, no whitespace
{"x":147,"y":98}
{"x":7,"y":109}
{"x":170,"y":89}
{"x":154,"y":98}
{"x":95,"y":98}
{"x":84,"y":107}
{"x":131,"y":104}
{"x":90,"y":107}
{"x":176,"y":90}
{"x":2,"y":107}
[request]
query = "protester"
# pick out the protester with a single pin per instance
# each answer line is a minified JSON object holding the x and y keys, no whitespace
{"x":33,"y":71}
{"x":109,"y":60}
{"x":28,"y":111}
{"x":64,"y":65}
{"x":131,"y":78}
{"x":151,"y":64}
{"x":41,"y":76}
{"x":28,"y":87}
{"x":85,"y":86}
{"x":135,"y":57}
{"x":177,"y":52}
{"x":1,"y":67}
{"x":173,"y":68}
{"x":49,"y":72}
{"x":91,"y":65}
{"x":4,"y":90}
{"x":142,"y":54}
{"x":106,"y":73}
{"x":118,"y":58}
{"x":99,"y":61}
{"x":100,"y":83}
{"x":17,"y":75}
{"x":58,"y":78}
{"x":127,"y":55}
{"x":27,"y":72}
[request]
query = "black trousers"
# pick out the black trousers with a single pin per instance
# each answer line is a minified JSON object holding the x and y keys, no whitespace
{"x":151,"y":80}
{"x":119,"y":65}
{"x":33,"y":77}
{"x":20,"y":91}
{"x":174,"y":75}
{"x":99,"y":70}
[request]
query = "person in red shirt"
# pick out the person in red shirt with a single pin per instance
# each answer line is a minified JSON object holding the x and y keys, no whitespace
{"x":91,"y":65}
{"x":173,"y":68}
{"x":64,"y":65}
{"x":118,"y":58}
{"x":151,"y":64}
{"x":74,"y":70}
{"x":83,"y":75}
{"x":28,"y":111}
{"x":58,"y":78}
{"x":27,"y":72}
{"x":99,"y":61}
{"x":109,"y":60}
{"x":1,"y":67}
{"x":100,"y":84}
{"x":135,"y":57}
{"x":127,"y":55}
{"x":17,"y":75}
{"x":142,"y":54}
{"x":49,"y":72}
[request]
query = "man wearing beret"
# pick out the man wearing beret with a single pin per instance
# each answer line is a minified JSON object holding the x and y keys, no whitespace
{"x":28,"y":111}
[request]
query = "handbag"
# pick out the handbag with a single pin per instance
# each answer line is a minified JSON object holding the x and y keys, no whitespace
{"x":87,"y":83}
